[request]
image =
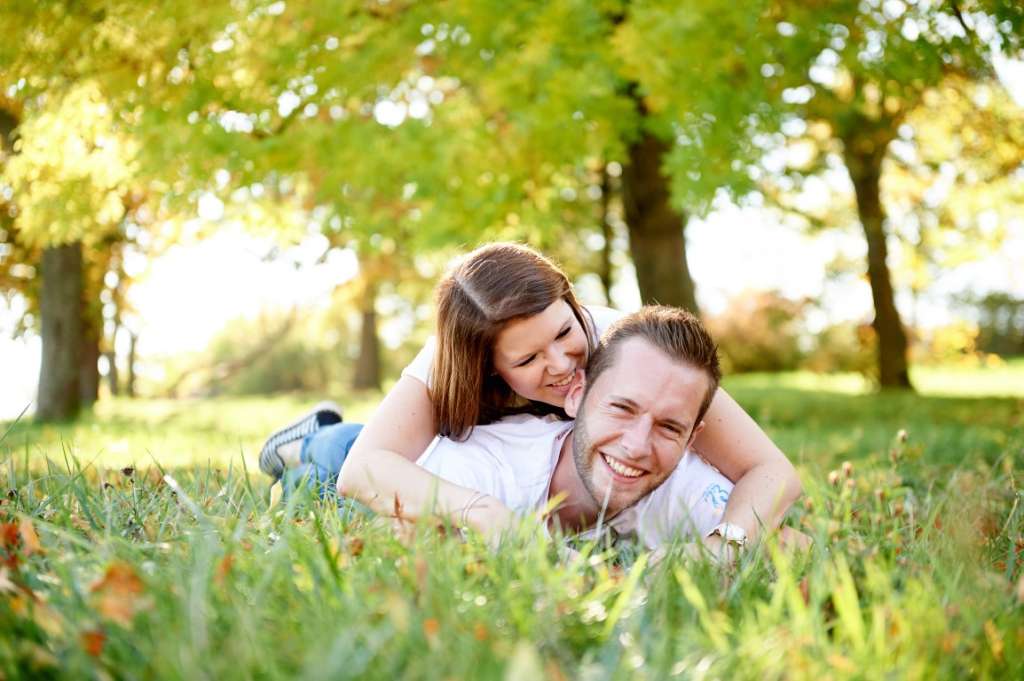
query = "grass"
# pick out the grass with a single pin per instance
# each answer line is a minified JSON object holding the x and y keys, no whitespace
{"x":916,"y":571}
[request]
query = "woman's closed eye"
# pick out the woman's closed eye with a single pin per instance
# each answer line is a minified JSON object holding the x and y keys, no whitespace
{"x":526,"y":361}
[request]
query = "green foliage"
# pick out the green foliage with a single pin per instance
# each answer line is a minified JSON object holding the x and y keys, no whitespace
{"x":1000,"y":323}
{"x":916,"y":571}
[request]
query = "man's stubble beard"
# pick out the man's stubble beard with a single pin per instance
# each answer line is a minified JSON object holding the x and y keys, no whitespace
{"x":584,"y":455}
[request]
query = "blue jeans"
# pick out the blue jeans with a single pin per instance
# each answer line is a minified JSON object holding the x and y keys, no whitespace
{"x":323,"y":453}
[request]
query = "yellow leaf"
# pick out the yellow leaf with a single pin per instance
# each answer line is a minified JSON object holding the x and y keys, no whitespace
{"x":6,"y":585}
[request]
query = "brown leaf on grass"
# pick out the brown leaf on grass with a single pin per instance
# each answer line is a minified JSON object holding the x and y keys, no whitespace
{"x":9,"y":535}
{"x":431,"y":627}
{"x":805,"y":591}
{"x":93,"y":641}
{"x":553,"y":671}
{"x":29,"y":539}
{"x":1020,"y":590}
{"x":80,"y":523}
{"x":119,"y":594}
{"x":224,"y":569}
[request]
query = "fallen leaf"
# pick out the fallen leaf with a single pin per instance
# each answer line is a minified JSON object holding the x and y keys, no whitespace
{"x":224,"y":568}
{"x":92,"y":641}
{"x":553,"y":671}
{"x":9,"y":535}
{"x":29,"y":538}
{"x":119,"y":594}
{"x":430,"y":627}
{"x":1020,"y":589}
{"x":805,"y":591}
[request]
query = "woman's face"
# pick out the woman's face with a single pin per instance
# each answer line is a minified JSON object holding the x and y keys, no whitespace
{"x":539,"y":356}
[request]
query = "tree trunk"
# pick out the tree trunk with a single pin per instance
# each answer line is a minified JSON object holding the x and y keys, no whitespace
{"x":89,"y":370}
{"x":367,"y":373}
{"x":656,"y":239}
{"x":605,"y":266}
{"x":129,"y":387}
{"x":60,"y":312}
{"x":863,"y":156}
{"x":113,"y":380}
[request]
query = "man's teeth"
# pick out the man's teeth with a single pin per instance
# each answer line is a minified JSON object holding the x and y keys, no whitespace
{"x":621,"y":468}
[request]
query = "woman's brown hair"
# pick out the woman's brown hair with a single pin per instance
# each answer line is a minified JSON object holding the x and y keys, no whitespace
{"x":491,"y":286}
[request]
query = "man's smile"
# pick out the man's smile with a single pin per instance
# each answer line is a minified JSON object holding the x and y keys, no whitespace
{"x":621,"y":469}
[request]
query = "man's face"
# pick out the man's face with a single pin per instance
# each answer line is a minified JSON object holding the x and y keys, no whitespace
{"x":635,"y":424}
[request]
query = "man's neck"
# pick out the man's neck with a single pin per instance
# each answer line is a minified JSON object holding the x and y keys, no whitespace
{"x":578,"y":510}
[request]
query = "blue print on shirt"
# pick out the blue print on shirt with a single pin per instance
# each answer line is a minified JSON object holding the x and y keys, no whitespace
{"x":716,"y":495}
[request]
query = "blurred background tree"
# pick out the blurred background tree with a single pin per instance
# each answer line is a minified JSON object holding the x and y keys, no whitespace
{"x":798,"y":90}
{"x":404,"y":132}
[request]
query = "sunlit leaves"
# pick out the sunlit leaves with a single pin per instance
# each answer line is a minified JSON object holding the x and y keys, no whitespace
{"x":70,"y":170}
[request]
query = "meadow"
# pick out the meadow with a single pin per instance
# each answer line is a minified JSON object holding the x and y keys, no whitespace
{"x":139,"y":543}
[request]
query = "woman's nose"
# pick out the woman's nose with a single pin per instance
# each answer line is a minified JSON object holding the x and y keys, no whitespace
{"x":559,"y":362}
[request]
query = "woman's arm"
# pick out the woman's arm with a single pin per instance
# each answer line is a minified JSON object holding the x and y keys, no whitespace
{"x":766,"y":484}
{"x":381,"y":472}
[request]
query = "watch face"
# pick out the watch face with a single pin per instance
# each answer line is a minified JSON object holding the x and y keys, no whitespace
{"x":733,"y":534}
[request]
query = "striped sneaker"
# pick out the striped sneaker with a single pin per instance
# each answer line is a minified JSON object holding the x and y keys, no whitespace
{"x":323,"y":414}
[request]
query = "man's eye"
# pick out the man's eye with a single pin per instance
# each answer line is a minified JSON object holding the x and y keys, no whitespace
{"x":671,"y":430}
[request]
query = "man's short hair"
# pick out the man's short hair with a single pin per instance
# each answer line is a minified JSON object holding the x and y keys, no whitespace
{"x":674,"y":331}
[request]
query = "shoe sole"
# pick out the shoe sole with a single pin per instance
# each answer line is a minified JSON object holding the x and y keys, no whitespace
{"x":323,"y":414}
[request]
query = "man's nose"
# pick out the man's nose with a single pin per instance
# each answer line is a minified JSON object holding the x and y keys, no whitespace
{"x":636,"y":437}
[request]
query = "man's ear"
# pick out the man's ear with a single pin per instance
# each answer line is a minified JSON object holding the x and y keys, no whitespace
{"x":693,"y":434}
{"x":574,"y":397}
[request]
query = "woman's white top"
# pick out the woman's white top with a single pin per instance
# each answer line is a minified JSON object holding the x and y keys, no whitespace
{"x":421,"y":365}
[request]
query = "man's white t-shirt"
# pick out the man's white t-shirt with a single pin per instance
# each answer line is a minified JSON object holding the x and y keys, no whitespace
{"x":513,"y":460}
{"x":421,"y":365}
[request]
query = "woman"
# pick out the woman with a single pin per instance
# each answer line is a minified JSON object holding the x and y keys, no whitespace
{"x":511,"y":337}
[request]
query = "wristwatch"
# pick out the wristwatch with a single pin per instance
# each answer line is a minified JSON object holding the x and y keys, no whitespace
{"x":731,"y":534}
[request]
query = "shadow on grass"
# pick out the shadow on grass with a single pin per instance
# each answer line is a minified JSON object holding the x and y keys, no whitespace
{"x":822,"y":428}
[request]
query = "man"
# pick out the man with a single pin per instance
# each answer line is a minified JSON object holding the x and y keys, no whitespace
{"x":623,"y":463}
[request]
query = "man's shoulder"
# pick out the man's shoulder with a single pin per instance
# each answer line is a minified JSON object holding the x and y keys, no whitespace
{"x":689,"y":502}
